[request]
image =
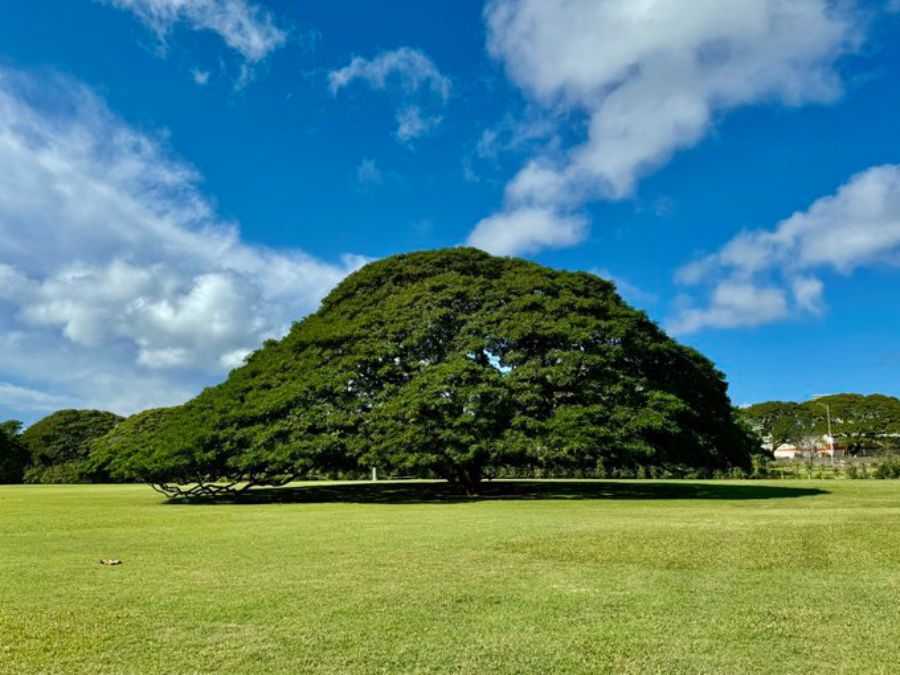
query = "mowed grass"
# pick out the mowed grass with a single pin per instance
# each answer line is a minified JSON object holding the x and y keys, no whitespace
{"x":790,"y":576}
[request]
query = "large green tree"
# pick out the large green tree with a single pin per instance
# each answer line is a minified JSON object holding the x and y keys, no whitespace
{"x":449,"y":363}
{"x":59,"y":446}
{"x":13,"y":455}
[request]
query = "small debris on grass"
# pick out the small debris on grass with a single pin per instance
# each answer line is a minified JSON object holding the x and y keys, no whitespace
{"x":110,"y":562}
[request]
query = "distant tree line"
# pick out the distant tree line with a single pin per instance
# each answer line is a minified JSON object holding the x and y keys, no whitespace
{"x":859,"y":423}
{"x":57,"y":449}
{"x":452,"y":364}
{"x":61,"y":448}
{"x":72,"y":446}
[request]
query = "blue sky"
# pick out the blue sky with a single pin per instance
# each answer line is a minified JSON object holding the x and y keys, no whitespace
{"x":180,"y":180}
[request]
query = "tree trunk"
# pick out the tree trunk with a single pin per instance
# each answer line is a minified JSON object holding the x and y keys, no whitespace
{"x":467,"y":479}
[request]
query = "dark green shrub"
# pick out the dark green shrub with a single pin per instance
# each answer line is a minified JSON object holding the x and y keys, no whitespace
{"x":13,"y":455}
{"x":888,"y":467}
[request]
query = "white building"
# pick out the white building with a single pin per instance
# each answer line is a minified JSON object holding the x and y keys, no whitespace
{"x":823,"y":446}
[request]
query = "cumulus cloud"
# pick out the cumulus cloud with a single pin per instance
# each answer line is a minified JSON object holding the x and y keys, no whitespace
{"x":733,"y":304}
{"x":120,"y":286}
{"x":527,"y":230}
{"x":764,"y":275}
{"x":410,"y":75}
{"x":246,"y":27}
{"x":648,"y":78}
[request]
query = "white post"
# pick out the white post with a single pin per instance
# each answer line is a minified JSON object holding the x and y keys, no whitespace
{"x":828,"y":417}
{"x":374,"y":473}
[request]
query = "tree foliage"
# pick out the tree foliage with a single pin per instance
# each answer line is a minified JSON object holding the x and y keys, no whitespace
{"x":780,"y":422}
{"x":448,"y":363}
{"x":13,"y":455}
{"x":857,"y":421}
{"x":59,"y":446}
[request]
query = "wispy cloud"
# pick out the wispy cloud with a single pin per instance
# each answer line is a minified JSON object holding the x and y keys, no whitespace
{"x":627,"y":290}
{"x":413,"y":79}
{"x":410,"y":69}
{"x":24,"y":399}
{"x":412,"y":124}
{"x":246,"y":27}
{"x":368,"y":173}
{"x":201,"y":77}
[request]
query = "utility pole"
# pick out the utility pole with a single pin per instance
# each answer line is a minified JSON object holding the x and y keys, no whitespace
{"x":830,"y":437}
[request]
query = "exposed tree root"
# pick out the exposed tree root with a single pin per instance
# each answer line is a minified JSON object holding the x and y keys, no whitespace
{"x":213,"y":490}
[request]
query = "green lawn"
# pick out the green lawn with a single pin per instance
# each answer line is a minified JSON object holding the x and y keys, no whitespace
{"x":791,"y":576}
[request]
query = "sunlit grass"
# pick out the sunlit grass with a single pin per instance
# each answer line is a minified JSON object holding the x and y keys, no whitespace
{"x":793,"y":576}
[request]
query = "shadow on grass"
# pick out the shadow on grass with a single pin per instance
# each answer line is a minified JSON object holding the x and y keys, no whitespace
{"x":412,"y":492}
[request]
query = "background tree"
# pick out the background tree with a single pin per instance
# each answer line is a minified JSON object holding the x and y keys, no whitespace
{"x":13,"y":455}
{"x":858,"y":421}
{"x":780,"y":422}
{"x":452,"y":363}
{"x":59,"y":446}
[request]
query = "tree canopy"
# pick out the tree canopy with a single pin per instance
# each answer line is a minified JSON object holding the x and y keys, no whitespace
{"x":857,"y":421}
{"x":59,"y":445}
{"x":780,"y":422}
{"x":449,"y":363}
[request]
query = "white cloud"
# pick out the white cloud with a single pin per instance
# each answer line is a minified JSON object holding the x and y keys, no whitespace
{"x":859,"y":225}
{"x":368,"y":173}
{"x":807,"y":292}
{"x":201,"y":77}
{"x":527,"y":132}
{"x":734,"y":304}
{"x":409,"y":68}
{"x":515,"y":134}
{"x":649,"y":77}
{"x":413,"y":78}
{"x":246,"y":27}
{"x":411,"y":124}
{"x":526,"y":230}
{"x":119,"y":284}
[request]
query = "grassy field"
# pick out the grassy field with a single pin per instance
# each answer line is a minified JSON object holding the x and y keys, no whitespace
{"x":792,"y":576}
